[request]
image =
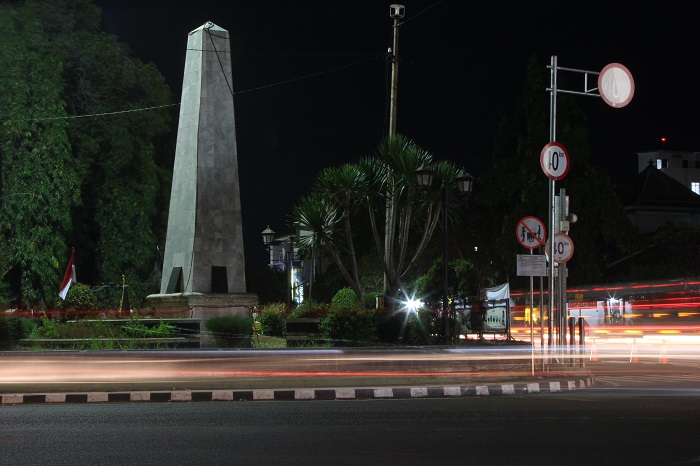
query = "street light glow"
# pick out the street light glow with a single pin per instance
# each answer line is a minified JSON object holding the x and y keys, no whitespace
{"x":413,"y":304}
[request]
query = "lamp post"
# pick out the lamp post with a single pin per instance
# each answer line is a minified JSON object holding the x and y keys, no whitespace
{"x":424,"y":177}
{"x":269,"y":238}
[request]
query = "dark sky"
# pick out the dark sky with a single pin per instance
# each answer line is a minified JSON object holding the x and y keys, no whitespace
{"x":311,"y":82}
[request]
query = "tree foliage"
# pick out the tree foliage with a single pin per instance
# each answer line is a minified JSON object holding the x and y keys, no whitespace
{"x":673,"y":251}
{"x":515,"y":187}
{"x":81,"y":166}
{"x":40,"y":178}
{"x":380,"y":187}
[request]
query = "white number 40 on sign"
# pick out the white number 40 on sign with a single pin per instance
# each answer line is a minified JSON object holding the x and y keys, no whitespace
{"x":554,"y":161}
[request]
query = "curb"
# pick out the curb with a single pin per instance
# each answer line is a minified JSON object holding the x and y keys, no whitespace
{"x":522,"y":388}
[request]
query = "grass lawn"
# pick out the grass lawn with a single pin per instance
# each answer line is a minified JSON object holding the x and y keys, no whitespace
{"x":264,"y":341}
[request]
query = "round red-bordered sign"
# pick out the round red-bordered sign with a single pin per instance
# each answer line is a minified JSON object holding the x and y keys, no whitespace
{"x":615,"y":85}
{"x":554,"y":161}
{"x":563,"y":248}
{"x":531,"y":232}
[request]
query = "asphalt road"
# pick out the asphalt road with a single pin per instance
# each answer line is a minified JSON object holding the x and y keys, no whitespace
{"x":590,"y":426}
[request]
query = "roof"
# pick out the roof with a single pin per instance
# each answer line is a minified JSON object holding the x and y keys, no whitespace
{"x":653,"y":189}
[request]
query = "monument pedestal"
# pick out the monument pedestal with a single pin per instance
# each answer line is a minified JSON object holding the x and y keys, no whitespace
{"x":201,"y":306}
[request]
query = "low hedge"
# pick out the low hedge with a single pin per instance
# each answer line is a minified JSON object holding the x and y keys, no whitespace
{"x":232,"y":331}
{"x":351,"y":328}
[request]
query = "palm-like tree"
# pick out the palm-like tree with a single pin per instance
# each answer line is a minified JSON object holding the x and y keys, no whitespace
{"x":384,"y":184}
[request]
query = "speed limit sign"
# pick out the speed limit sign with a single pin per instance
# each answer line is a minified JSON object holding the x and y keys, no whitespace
{"x":563,"y":248}
{"x":554,"y":161}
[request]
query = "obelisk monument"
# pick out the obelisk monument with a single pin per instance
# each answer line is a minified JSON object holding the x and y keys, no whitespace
{"x":203,"y":262}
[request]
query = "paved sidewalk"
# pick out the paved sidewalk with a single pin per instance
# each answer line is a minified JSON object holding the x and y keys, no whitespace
{"x":288,"y":394}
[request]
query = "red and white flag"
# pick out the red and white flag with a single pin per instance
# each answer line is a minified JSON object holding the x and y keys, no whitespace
{"x":69,"y":277}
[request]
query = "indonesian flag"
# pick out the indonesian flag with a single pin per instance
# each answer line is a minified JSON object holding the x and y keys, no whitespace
{"x":69,"y":277}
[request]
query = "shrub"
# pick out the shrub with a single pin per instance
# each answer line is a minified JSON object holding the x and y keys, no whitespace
{"x":232,"y":331}
{"x":351,"y":328}
{"x":273,"y":322}
{"x":13,"y":329}
{"x":80,"y":301}
{"x":47,"y":329}
{"x":279,"y":307}
{"x":137,"y":329}
{"x":304,"y":310}
{"x":418,"y":328}
{"x":345,"y":300}
{"x":390,"y":327}
{"x":100,"y":335}
{"x":421,"y":329}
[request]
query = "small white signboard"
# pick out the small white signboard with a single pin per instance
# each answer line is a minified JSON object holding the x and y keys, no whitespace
{"x":532,"y":265}
{"x":496,"y":319}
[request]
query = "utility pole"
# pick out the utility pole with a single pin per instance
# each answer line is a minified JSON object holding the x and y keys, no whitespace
{"x":396,"y":12}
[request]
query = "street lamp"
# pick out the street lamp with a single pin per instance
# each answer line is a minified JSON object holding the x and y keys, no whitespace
{"x":269,"y":239}
{"x":464,"y":181}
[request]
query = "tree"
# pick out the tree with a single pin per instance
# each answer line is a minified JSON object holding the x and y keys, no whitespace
{"x":673,"y":251}
{"x":88,"y":166}
{"x":384,"y":178}
{"x":515,"y":187}
{"x":40,"y":178}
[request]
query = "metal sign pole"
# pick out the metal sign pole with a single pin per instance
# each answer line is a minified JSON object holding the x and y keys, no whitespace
{"x":552,"y":138}
{"x":532,"y":323}
{"x":616,"y":87}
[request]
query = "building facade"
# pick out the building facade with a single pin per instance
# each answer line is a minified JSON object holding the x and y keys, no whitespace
{"x":665,"y":190}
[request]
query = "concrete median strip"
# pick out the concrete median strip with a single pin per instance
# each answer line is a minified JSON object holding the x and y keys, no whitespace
{"x":302,"y":394}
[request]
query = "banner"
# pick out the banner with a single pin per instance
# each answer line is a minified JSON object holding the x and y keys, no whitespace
{"x":498,"y":292}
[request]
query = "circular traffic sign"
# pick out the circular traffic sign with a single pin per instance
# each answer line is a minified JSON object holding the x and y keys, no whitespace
{"x":554,"y":161}
{"x":563,"y":248}
{"x":530,"y":232}
{"x":616,"y":85}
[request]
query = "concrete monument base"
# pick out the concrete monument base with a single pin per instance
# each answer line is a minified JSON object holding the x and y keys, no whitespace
{"x":201,"y":306}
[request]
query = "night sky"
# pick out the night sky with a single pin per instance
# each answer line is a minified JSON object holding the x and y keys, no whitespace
{"x":311,"y":79}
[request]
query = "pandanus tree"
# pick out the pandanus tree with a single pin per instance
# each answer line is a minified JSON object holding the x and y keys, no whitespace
{"x":380,"y":190}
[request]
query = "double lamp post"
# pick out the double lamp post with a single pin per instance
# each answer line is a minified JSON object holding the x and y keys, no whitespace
{"x":288,"y":248}
{"x":465,"y":183}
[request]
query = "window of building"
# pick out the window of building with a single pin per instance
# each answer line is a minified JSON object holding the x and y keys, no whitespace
{"x":661,"y":163}
{"x":695,"y":186}
{"x":697,"y":164}
{"x":685,"y":164}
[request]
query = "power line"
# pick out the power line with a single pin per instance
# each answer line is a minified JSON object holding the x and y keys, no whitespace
{"x":421,"y":12}
{"x":70,"y":117}
{"x":381,"y":55}
{"x":287,"y":81}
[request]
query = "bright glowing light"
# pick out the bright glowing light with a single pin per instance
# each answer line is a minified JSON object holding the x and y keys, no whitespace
{"x":413,"y":304}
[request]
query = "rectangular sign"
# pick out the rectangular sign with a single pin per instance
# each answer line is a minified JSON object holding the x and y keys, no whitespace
{"x":532,"y":265}
{"x":496,"y":319}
